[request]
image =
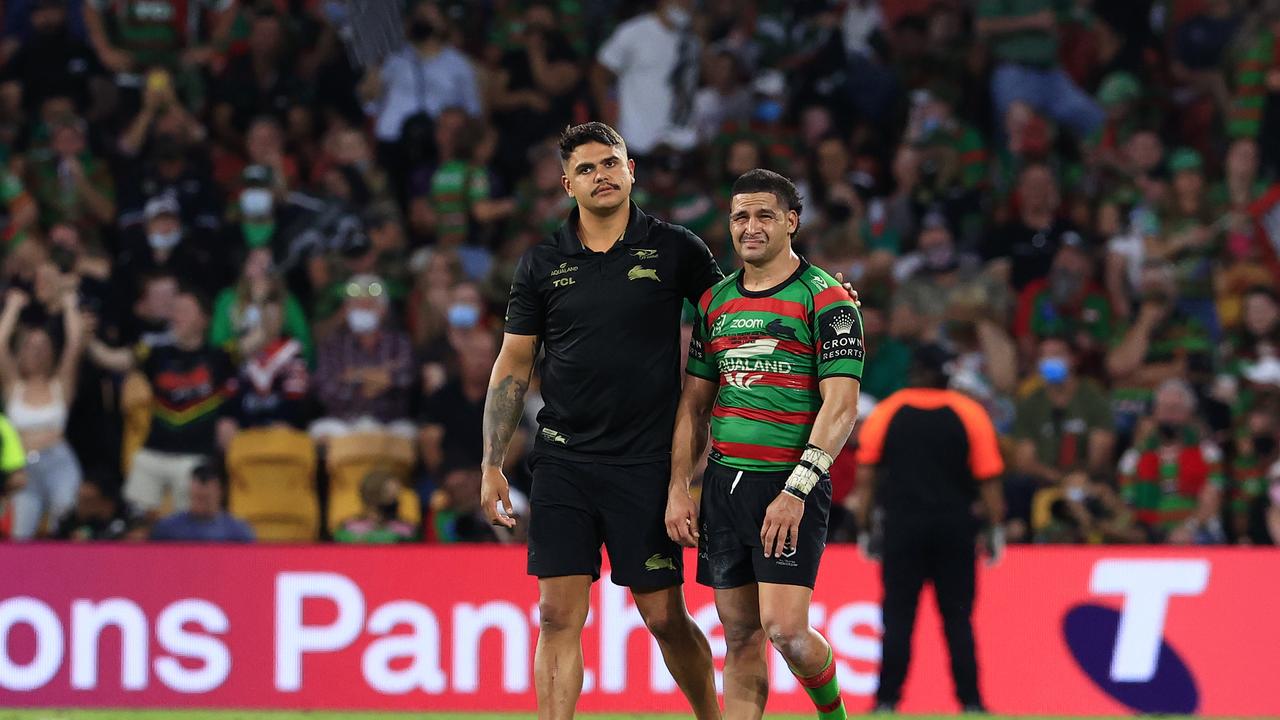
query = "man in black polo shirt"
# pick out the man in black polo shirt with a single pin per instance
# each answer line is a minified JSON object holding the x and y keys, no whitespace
{"x":604,"y":295}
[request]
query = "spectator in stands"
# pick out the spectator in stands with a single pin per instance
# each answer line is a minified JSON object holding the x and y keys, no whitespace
{"x":52,"y":62}
{"x":1088,"y":511}
{"x":938,"y":276}
{"x":262,"y":81}
{"x":532,"y":96}
{"x":365,"y":368}
{"x":454,"y":513}
{"x":1255,"y":454}
{"x":166,"y":249}
{"x":162,"y":115}
{"x":1161,"y":343}
{"x":429,"y":75}
{"x":1064,"y":426}
{"x":274,"y":382}
{"x":1022,"y":37}
{"x":207,"y":520}
{"x":452,"y":415}
{"x":191,"y":383}
{"x":1024,"y":248}
{"x":72,"y":184}
{"x":379,"y":520}
{"x":39,"y":388}
{"x":724,"y":95}
{"x":100,"y":513}
{"x":237,"y":323}
{"x":162,"y":143}
{"x":1189,"y":239}
{"x":1173,"y":477}
{"x":148,"y":319}
{"x":653,"y":59}
{"x":1066,"y":303}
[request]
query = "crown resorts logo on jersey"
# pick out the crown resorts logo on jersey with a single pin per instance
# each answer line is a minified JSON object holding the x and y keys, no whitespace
{"x":1125,"y":652}
{"x":842,"y":323}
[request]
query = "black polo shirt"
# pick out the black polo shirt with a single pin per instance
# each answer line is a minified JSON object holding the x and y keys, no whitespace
{"x":610,"y":328}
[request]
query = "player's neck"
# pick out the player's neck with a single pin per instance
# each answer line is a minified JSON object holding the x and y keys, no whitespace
{"x":763,"y":277}
{"x":599,"y":232}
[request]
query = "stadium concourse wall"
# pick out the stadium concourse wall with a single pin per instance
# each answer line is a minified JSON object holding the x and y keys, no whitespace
{"x":1062,"y":630}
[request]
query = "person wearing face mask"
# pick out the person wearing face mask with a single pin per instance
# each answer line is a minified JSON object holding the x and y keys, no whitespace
{"x":653,"y":60}
{"x":1064,"y":426}
{"x":378,"y":522}
{"x":425,"y":77}
{"x":1173,"y":477}
{"x":1066,"y":303}
{"x":365,"y":368}
{"x":164,"y":249}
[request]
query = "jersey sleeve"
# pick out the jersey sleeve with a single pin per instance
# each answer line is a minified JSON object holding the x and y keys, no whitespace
{"x":698,"y":269}
{"x":985,"y":460}
{"x":701,"y":361}
{"x":838,"y":334}
{"x":525,"y":310}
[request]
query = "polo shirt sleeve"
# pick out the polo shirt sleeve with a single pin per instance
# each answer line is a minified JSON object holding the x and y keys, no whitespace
{"x":698,"y":269}
{"x":701,"y":359}
{"x":871,"y":433}
{"x":526,"y":312}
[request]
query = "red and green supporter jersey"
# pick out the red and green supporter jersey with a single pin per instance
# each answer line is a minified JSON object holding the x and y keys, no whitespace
{"x":768,"y":350}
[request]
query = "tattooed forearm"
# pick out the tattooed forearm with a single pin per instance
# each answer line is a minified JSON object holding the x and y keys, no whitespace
{"x":502,"y":409}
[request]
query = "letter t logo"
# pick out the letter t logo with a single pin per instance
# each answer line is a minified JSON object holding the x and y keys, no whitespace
{"x":1146,"y":586}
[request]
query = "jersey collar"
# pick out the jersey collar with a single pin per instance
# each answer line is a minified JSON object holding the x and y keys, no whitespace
{"x":567,"y":235}
{"x":768,"y":292}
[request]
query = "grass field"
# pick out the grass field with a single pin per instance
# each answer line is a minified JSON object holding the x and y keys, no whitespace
{"x":266,"y":715}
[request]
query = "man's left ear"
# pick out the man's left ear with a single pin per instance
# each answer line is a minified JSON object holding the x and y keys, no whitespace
{"x":793,"y":222}
{"x":631,"y":168}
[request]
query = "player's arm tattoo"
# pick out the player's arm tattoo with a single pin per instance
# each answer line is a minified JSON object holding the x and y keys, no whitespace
{"x":502,"y":409}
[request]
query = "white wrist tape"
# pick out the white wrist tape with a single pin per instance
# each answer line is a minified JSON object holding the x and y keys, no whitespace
{"x":813,"y":466}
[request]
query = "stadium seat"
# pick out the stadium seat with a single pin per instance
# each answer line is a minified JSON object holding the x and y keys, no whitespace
{"x":1042,"y":507}
{"x":272,"y":475}
{"x":135,"y":408}
{"x":351,"y":457}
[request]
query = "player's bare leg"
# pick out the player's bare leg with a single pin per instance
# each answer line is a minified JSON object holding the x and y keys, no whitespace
{"x":684,"y":647}
{"x":784,"y":612}
{"x":557,"y":663}
{"x":746,"y":669}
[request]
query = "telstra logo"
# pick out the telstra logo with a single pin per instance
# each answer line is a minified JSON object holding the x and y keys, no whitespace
{"x":1125,"y":653}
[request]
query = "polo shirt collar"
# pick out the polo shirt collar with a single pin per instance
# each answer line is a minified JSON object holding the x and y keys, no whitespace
{"x":570,"y":244}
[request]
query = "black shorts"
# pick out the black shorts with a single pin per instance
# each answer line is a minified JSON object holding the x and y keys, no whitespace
{"x":730,"y":553}
{"x":577,"y":506}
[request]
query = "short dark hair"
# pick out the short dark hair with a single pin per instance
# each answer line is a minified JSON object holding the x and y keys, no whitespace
{"x":768,"y":181}
{"x":575,"y":136}
{"x":198,"y":294}
{"x":210,"y":469}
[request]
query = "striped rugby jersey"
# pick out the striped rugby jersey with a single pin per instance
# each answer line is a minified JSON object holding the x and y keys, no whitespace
{"x":768,"y":350}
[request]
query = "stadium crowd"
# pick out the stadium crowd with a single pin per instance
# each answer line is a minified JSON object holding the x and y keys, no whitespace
{"x":213,"y":224}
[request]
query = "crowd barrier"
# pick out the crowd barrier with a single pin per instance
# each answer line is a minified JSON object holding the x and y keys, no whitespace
{"x":1061,"y":630}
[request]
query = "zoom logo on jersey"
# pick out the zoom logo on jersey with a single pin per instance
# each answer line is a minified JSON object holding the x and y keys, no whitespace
{"x":1125,"y":652}
{"x":746,"y":324}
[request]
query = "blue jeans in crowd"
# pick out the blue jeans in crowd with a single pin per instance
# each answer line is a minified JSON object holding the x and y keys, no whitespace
{"x":1051,"y":92}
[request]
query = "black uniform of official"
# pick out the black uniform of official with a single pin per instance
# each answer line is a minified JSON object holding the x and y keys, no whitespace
{"x":931,"y":448}
{"x":609,"y":324}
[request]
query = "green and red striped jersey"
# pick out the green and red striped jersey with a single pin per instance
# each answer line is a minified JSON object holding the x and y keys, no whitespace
{"x":768,"y":350}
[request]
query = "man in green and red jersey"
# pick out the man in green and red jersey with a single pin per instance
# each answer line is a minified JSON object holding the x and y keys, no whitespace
{"x":774,"y":368}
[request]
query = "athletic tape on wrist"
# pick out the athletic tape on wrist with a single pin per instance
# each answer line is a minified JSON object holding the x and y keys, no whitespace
{"x":813,"y":466}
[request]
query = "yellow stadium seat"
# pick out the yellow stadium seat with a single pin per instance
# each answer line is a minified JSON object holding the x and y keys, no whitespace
{"x":1042,"y":507}
{"x":351,"y":457}
{"x":272,"y":474}
{"x":135,"y":407}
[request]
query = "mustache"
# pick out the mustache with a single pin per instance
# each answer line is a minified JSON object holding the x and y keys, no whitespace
{"x":602,"y":186}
